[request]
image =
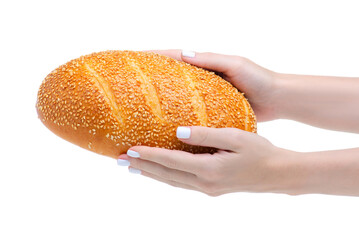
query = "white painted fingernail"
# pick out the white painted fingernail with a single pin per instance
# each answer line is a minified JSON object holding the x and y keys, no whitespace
{"x":122,"y":162}
{"x":133,"y":154}
{"x":187,"y":53}
{"x":134,"y":171}
{"x":183,"y":132}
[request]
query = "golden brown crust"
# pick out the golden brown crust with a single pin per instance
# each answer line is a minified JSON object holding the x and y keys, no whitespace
{"x":107,"y":102}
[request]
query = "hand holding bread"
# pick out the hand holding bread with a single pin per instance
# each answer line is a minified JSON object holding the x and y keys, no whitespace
{"x":110,"y":101}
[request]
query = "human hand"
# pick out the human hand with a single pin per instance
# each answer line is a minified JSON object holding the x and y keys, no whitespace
{"x":246,"y":162}
{"x":256,"y":82}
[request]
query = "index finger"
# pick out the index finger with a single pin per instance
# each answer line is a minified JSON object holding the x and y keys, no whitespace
{"x":172,"y":53}
{"x":175,"y":159}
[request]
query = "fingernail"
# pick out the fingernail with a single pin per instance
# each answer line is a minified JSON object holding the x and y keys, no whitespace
{"x":187,"y":53}
{"x":133,"y":154}
{"x":122,"y":162}
{"x":134,"y":171}
{"x":183,"y":132}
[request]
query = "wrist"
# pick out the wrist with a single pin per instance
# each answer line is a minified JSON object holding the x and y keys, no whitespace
{"x":287,"y":175}
{"x":280,"y":90}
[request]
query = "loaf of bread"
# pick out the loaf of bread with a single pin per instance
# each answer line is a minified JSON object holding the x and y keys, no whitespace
{"x":107,"y":102}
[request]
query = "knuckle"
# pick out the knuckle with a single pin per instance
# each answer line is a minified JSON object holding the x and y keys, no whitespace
{"x":173,"y":184}
{"x":134,"y":163}
{"x":213,"y":194}
{"x":145,"y":153}
{"x":238,"y":64}
{"x":239,"y":61}
{"x":212,"y":172}
{"x":202,"y":137}
{"x":165,"y":174}
{"x":206,"y":54}
{"x":236,"y":136}
{"x":137,"y":163}
{"x":170,"y":163}
{"x":209,"y":188}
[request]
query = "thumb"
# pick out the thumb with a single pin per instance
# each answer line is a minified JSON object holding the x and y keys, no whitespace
{"x":221,"y":138}
{"x":210,"y":61}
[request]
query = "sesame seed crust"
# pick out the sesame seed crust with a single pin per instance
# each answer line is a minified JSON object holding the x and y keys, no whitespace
{"x":107,"y":102}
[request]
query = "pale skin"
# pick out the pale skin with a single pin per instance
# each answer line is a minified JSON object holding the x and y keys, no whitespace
{"x":247,"y":162}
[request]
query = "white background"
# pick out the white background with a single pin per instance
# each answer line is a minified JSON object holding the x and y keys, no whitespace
{"x":51,"y":189}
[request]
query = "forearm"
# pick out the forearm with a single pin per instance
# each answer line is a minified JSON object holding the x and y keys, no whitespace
{"x":326,"y":102}
{"x":329,"y":172}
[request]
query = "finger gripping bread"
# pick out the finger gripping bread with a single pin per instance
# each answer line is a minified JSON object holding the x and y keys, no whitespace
{"x":107,"y":102}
